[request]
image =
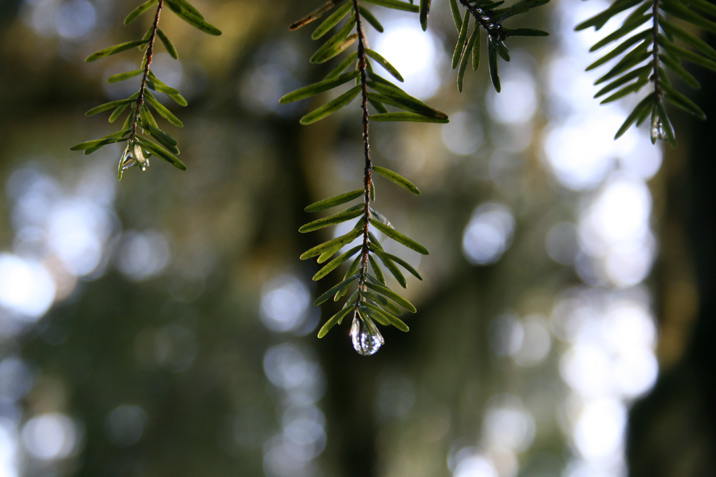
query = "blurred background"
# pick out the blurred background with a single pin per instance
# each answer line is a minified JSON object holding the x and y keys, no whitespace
{"x":163,"y":326}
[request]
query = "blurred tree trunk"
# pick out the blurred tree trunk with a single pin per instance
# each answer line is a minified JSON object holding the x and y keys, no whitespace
{"x":673,"y":430}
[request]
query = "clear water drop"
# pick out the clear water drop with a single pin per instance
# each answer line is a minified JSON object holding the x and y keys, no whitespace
{"x":366,"y":338}
{"x":141,"y":157}
{"x":657,"y":129}
{"x":126,"y":160}
{"x":132,"y":156}
{"x":138,"y":152}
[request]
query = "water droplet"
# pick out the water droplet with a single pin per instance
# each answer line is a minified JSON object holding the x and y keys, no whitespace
{"x":127,"y":160}
{"x":657,"y":129}
{"x":141,"y":157}
{"x":133,"y":155}
{"x":366,"y":338}
{"x":138,"y":153}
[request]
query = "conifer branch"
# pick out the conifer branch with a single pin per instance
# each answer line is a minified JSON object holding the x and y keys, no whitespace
{"x":489,"y":23}
{"x":488,"y":17}
{"x":140,"y":125}
{"x":656,"y":126}
{"x":647,"y":55}
{"x":147,"y":63}
{"x":659,"y":94}
{"x":371,"y":299}
{"x":368,"y":170}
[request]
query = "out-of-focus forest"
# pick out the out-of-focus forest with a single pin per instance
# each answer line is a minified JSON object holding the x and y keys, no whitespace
{"x":163,"y":326}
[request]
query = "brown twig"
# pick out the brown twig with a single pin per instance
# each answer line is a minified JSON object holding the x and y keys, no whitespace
{"x":368,"y":171}
{"x":148,"y":56}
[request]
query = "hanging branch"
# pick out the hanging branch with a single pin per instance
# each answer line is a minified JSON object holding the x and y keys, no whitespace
{"x":128,"y":160}
{"x":371,"y":300}
{"x":486,"y":16}
{"x":364,"y":342}
{"x":647,"y":54}
{"x":140,"y":121}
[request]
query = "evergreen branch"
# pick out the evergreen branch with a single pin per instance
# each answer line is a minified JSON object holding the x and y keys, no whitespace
{"x":371,"y":299}
{"x":368,"y":164}
{"x":489,"y":22}
{"x":658,"y":97}
{"x":140,"y":122}
{"x":489,"y":18}
{"x":147,"y":62}
{"x":649,"y":55}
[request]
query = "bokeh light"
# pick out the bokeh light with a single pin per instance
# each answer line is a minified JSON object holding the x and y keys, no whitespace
{"x":293,"y":368}
{"x":142,"y":255}
{"x":416,"y":54}
{"x":69,"y":21}
{"x":8,"y":449}
{"x":599,"y":430}
{"x":50,"y":436}
{"x":470,"y":464}
{"x":508,"y":424}
{"x":488,"y":233}
{"x":125,"y":425}
{"x":26,"y":287}
{"x":76,"y":233}
{"x":517,"y":101}
{"x":296,"y":372}
{"x":75,"y":18}
{"x":285,"y":302}
{"x":463,"y":134}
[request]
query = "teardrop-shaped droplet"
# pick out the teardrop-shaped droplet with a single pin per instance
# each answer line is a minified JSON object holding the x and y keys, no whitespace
{"x":122,"y":159}
{"x":132,"y":156}
{"x":366,"y":338}
{"x":128,"y":161}
{"x":141,"y":157}
{"x":138,"y":153}
{"x":657,"y":129}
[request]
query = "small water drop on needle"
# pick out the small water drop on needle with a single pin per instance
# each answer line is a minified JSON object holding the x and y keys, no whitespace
{"x":128,"y":162}
{"x":657,"y":130}
{"x":366,"y":338}
{"x":132,"y":156}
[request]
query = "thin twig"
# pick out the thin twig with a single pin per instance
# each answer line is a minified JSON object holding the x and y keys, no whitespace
{"x":492,"y":27}
{"x":368,"y":171}
{"x":659,"y":92}
{"x":148,"y":55}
